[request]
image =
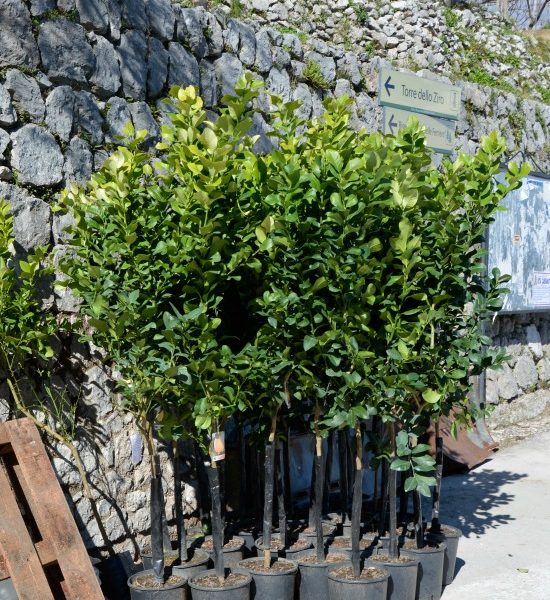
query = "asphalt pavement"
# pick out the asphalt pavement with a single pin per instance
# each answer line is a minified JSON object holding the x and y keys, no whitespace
{"x":503,"y":510}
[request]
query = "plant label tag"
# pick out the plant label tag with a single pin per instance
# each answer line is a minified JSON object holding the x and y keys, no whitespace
{"x":217,"y":446}
{"x":136,"y":445}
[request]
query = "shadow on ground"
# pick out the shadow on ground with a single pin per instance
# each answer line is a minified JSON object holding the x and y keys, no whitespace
{"x":474,"y":502}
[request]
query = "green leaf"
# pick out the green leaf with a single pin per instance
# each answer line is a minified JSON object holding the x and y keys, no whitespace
{"x":309,"y":342}
{"x":431,"y":396}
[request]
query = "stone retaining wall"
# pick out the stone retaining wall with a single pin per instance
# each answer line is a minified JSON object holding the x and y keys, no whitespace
{"x":74,"y":72}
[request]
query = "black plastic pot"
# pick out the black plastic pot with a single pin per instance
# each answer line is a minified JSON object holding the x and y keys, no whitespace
{"x":429,"y":583}
{"x":402,"y":581}
{"x":357,"y":589}
{"x":168,"y":592}
{"x":249,"y":537}
{"x":193,"y":568}
{"x":147,"y":560}
{"x":450,"y":537}
{"x":239,"y":591}
{"x":270,"y":586}
{"x":313,"y":577}
{"x":331,"y":548}
{"x":231,"y":556}
{"x":292,"y":553}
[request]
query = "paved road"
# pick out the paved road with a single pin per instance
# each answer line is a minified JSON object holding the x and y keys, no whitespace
{"x":503,"y":509}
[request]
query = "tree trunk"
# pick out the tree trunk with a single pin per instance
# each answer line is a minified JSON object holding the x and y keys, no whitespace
{"x":202,"y":478}
{"x":156,"y":504}
{"x":281,"y":501}
{"x":418,"y":524}
{"x":319,"y":485}
{"x":343,"y":468}
{"x":392,"y":475}
{"x":436,"y":495}
{"x":357,"y":503}
{"x":180,"y":513}
{"x":217,"y":527}
{"x":384,"y":492}
{"x":268,"y":496}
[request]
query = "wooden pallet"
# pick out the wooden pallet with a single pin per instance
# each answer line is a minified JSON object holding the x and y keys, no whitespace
{"x":40,"y":546}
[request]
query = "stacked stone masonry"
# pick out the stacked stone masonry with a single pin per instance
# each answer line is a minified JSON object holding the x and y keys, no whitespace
{"x":73,"y":73}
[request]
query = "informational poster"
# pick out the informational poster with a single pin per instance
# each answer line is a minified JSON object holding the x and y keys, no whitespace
{"x":519,"y":245}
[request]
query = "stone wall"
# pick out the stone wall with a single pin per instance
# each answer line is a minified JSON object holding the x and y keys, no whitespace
{"x":74,"y":72}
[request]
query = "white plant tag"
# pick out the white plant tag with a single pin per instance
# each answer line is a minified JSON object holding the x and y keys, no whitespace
{"x":136,"y":444}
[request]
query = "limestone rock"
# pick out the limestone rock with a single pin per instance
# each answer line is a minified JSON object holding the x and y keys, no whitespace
{"x":278,"y":82}
{"x":303,"y":95}
{"x":25,"y":95}
{"x":157,"y":68}
{"x":507,"y":386}
{"x":36,"y":156}
{"x":534,"y":341}
{"x":5,"y":174}
{"x":60,"y":111}
{"x":79,"y":162}
{"x":118,"y":116}
{"x":525,"y":372}
{"x":209,"y":91}
{"x":4,"y":142}
{"x":326,"y":65}
{"x":184,"y":68}
{"x":8,"y":116}
{"x":213,"y":34}
{"x":31,"y":216}
{"x":106,"y":78}
{"x":241,"y":39}
{"x":66,"y":54}
{"x":88,"y":117}
{"x":134,"y":14}
{"x":264,"y":61}
{"x":162,"y":19}
{"x":17,"y":46}
{"x":94,"y":15}
{"x":142,"y":118}
{"x":40,"y":7}
{"x":133,"y":67}
{"x":228,"y":71}
{"x":189,"y":30}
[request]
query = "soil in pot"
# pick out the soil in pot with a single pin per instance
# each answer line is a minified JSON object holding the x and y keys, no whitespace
{"x":403,"y":574}
{"x":342,"y":544}
{"x":449,"y":535}
{"x":275,"y":582}
{"x":144,"y":586}
{"x":232,"y":549}
{"x":296,"y":548}
{"x":206,"y":586}
{"x":372,"y":583}
{"x":429,"y":583}
{"x":310,"y":534}
{"x":313,"y":574}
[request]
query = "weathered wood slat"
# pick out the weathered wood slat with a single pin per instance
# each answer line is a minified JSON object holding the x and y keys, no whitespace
{"x":3,"y":568}
{"x":51,"y":513}
{"x":22,"y":562}
{"x":4,"y":437}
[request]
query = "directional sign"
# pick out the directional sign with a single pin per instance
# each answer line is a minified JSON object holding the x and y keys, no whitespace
{"x":440,"y":133}
{"x":401,"y":90}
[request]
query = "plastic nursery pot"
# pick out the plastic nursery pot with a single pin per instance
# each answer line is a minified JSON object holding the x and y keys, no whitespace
{"x":296,"y":549}
{"x":197,"y":563}
{"x":340,"y":545}
{"x":275,"y":583}
{"x":313,"y":575}
{"x":403,"y":574}
{"x":249,"y":536}
{"x":429,"y":582}
{"x":143,"y":587}
{"x":449,"y":535}
{"x":371,"y":585}
{"x":205,"y":586}
{"x":232,"y":550}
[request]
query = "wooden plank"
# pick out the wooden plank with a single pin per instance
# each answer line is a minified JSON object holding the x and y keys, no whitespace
{"x":20,"y":556}
{"x":53,"y":517}
{"x":4,"y":437}
{"x":46,"y":552}
{"x":3,"y":568}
